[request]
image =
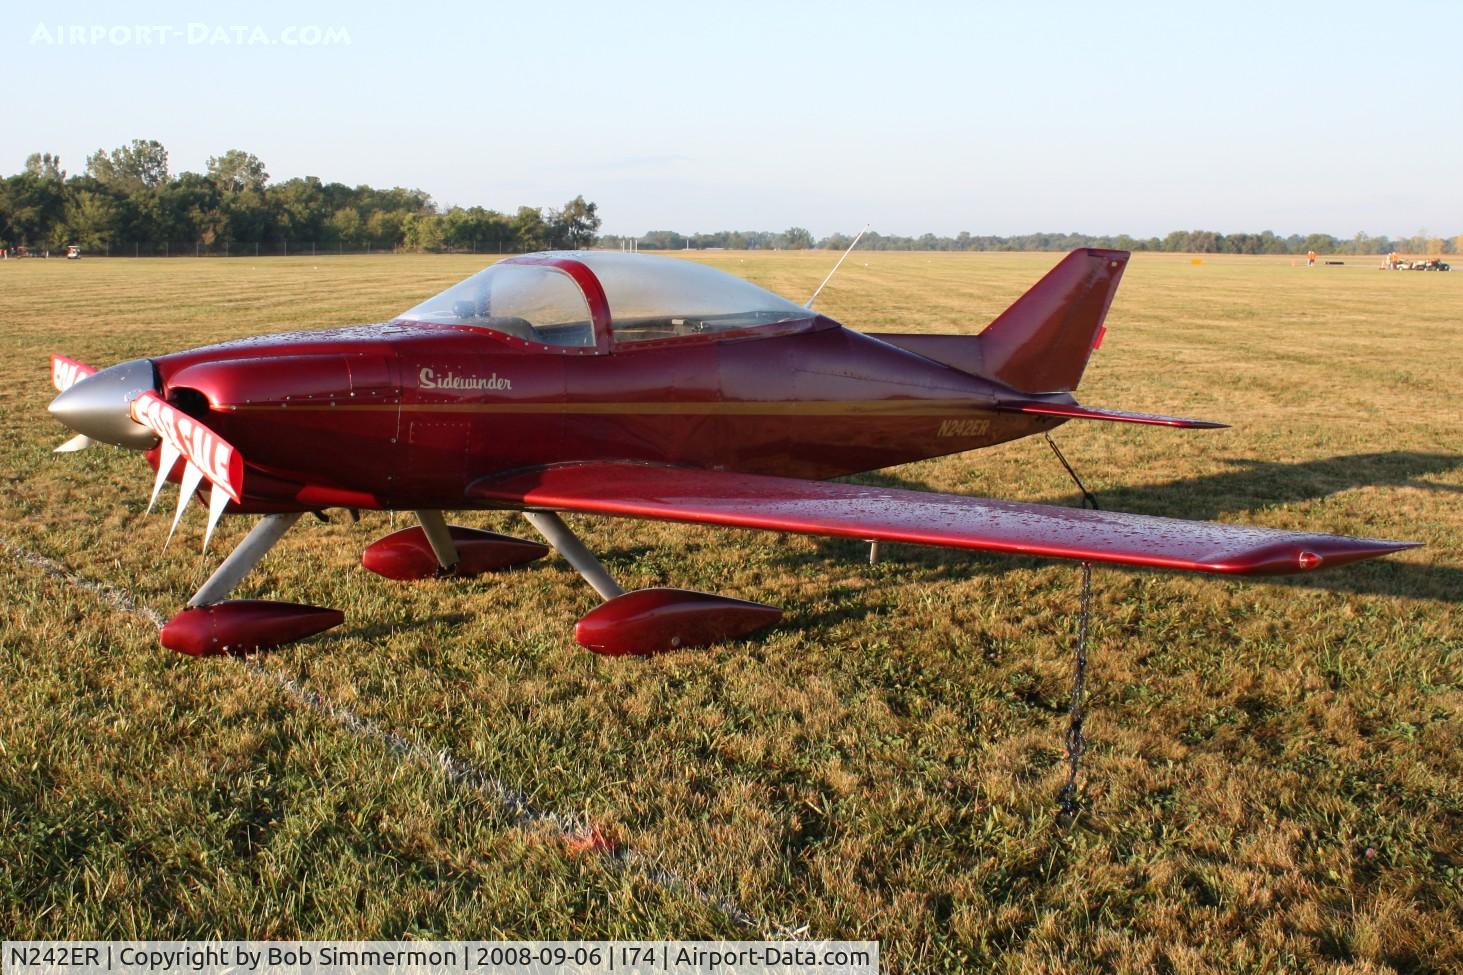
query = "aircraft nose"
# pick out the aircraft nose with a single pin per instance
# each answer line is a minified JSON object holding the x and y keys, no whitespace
{"x":100,"y":406}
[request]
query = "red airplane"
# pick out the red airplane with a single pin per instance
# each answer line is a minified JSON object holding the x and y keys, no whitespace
{"x":633,"y":385}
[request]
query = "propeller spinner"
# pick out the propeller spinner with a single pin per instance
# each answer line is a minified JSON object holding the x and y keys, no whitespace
{"x":98,"y":405}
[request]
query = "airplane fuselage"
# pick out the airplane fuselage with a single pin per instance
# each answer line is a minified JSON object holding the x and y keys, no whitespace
{"x":401,"y":415}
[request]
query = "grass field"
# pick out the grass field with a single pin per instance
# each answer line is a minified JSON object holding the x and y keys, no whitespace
{"x":1273,"y":781}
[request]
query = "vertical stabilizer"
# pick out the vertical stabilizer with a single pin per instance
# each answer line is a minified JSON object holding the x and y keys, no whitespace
{"x":1042,"y":342}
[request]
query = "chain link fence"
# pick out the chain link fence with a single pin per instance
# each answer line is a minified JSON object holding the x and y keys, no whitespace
{"x":276,"y":248}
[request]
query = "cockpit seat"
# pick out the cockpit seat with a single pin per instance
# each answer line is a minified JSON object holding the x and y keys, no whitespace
{"x":519,"y":328}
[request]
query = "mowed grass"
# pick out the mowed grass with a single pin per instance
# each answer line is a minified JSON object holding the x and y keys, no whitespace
{"x":1273,"y":781}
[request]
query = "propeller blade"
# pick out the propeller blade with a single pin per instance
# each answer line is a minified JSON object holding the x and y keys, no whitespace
{"x":209,"y":457}
{"x":79,"y":442}
{"x":167,"y":456}
{"x":66,"y":373}
{"x":192,"y":477}
{"x":217,"y":501}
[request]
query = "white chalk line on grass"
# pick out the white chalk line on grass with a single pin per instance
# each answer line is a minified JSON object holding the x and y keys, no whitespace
{"x":118,"y":598}
{"x":574,"y":830}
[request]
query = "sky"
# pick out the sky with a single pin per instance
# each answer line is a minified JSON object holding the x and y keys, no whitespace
{"x":913,"y":117}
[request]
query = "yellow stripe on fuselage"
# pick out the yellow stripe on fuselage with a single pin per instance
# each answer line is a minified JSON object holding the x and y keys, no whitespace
{"x":723,"y":408}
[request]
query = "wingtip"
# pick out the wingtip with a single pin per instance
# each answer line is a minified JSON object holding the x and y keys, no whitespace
{"x":1342,"y":550}
{"x":1307,"y":554}
{"x":1185,"y":423}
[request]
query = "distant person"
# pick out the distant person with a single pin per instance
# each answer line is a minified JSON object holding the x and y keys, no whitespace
{"x":1310,"y":258}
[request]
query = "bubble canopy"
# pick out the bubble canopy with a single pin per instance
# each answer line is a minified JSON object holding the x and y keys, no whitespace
{"x":572,"y":298}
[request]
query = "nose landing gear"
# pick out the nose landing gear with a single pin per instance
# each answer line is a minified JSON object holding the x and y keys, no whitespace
{"x":213,"y":625}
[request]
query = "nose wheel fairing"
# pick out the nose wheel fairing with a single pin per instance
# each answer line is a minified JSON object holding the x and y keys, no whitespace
{"x":213,"y":625}
{"x":244,"y":625}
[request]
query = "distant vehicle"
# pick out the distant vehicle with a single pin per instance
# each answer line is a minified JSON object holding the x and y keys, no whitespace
{"x":73,"y":253}
{"x":1418,"y":264}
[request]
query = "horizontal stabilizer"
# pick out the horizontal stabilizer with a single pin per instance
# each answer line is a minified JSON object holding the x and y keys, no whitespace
{"x":955,"y":521}
{"x":1076,"y":411}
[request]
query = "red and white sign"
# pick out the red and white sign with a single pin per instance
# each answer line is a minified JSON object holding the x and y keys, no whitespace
{"x":211,"y":454}
{"x":66,"y":373}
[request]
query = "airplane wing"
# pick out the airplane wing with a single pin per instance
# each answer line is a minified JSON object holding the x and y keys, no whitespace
{"x":950,"y":520}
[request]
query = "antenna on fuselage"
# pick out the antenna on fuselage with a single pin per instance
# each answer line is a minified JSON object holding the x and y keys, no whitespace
{"x":809,"y":302}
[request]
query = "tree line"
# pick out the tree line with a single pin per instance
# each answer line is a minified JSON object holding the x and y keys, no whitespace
{"x":128,"y":201}
{"x":1184,"y":241}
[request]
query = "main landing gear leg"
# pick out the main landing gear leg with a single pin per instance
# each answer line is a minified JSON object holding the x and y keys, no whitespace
{"x":647,"y":621}
{"x":241,"y":561}
{"x":439,"y":536}
{"x":212,"y":625}
{"x":559,"y":535}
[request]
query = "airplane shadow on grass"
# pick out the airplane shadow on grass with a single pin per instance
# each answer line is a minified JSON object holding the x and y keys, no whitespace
{"x":376,"y":631}
{"x":1248,"y":486}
